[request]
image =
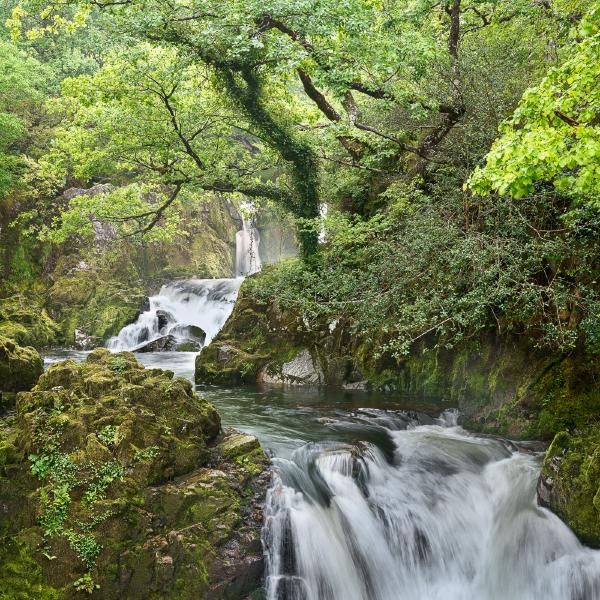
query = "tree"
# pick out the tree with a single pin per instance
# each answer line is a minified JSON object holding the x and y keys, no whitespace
{"x":22,"y":84}
{"x":554,"y":135}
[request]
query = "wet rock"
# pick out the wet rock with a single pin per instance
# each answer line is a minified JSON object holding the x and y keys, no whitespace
{"x":356,"y":385}
{"x":189,"y":346}
{"x":158,"y":502}
{"x":165,"y":343}
{"x":164,"y":318}
{"x":145,"y":305}
{"x":191,"y":337}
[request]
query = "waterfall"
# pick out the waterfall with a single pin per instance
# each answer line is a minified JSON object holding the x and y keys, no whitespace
{"x":177,"y":309}
{"x":247,"y":244}
{"x":193,"y":310}
{"x":429,"y":513}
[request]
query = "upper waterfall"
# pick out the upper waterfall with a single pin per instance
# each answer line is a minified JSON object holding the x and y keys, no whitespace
{"x":189,"y":313}
{"x":247,"y":244}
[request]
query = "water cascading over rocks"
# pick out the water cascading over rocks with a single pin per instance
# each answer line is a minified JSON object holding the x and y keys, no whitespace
{"x":428,"y":512}
{"x":185,"y":315}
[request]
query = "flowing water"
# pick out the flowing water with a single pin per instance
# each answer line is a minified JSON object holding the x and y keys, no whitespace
{"x":204,"y":303}
{"x":247,"y":245}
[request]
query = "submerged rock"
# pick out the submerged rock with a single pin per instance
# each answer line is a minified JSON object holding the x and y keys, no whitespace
{"x":569,"y":483}
{"x":20,"y":366}
{"x":170,"y":343}
{"x":116,"y":480}
{"x":165,"y":343}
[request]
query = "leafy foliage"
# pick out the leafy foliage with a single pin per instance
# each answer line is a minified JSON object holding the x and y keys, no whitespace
{"x":413,"y":274}
{"x":554,"y":135}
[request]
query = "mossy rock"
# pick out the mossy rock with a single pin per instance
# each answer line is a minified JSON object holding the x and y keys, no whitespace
{"x":20,"y":367}
{"x":95,"y":304}
{"x":570,"y":481}
{"x":23,"y":320}
{"x":116,"y":479}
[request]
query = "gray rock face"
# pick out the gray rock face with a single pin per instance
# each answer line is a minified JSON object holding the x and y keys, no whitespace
{"x":301,"y":370}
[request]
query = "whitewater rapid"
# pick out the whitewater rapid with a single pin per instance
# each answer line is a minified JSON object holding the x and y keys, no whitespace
{"x":427,"y":512}
{"x":204,"y":303}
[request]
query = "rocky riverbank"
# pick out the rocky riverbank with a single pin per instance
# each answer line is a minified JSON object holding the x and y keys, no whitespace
{"x":117,"y":481}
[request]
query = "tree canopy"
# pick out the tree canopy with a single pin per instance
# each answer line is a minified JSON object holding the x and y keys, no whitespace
{"x":554,"y":134}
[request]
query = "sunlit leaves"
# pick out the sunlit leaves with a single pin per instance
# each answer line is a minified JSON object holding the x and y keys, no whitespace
{"x":554,"y":135}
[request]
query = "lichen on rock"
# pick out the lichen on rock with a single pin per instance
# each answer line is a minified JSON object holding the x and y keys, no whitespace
{"x":122,"y":485}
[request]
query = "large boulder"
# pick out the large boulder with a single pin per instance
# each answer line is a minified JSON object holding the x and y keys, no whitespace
{"x":20,"y":366}
{"x":23,"y":320}
{"x":569,"y":483}
{"x":301,"y":370}
{"x":164,"y":343}
{"x":116,"y":481}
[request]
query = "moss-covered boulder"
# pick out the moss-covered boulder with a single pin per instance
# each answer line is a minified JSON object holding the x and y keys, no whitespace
{"x":20,"y":366}
{"x":24,"y":320}
{"x":116,"y":481}
{"x":570,"y":481}
{"x":261,"y":343}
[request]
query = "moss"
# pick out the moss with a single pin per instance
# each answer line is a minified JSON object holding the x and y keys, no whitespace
{"x":126,"y":483}
{"x":571,"y":481}
{"x":94,"y":303}
{"x":23,"y":320}
{"x":19,"y":367}
{"x":21,"y":575}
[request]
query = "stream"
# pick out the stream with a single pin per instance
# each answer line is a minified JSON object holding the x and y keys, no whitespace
{"x":374,"y":496}
{"x":377,"y":497}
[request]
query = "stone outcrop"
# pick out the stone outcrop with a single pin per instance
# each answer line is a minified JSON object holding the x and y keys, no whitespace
{"x":20,"y":366}
{"x":24,"y":320}
{"x":116,"y":481}
{"x":569,"y":483}
{"x":301,"y":370}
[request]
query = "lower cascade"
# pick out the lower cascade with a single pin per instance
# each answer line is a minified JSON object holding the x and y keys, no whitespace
{"x":186,"y":312}
{"x":423,"y":511}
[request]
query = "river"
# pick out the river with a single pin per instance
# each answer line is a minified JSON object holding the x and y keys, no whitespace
{"x":376,"y":497}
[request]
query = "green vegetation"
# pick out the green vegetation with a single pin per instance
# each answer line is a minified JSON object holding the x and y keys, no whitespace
{"x":115,"y":469}
{"x":454,"y":144}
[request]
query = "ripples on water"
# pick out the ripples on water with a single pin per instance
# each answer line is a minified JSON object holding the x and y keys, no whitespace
{"x":375,"y":499}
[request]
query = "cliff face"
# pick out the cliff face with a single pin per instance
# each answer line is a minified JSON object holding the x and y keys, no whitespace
{"x":95,"y":291}
{"x":117,"y":481}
